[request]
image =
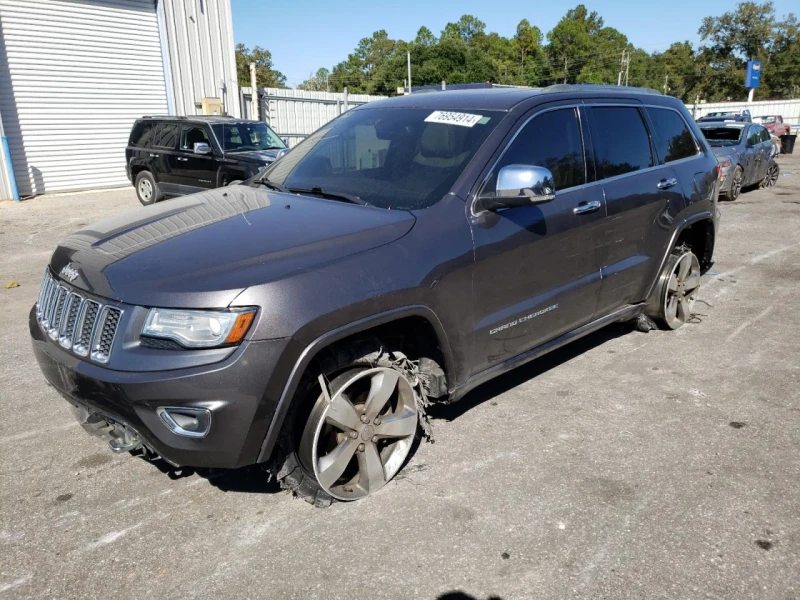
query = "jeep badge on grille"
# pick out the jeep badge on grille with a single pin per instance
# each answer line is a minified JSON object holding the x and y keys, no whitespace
{"x":69,"y":272}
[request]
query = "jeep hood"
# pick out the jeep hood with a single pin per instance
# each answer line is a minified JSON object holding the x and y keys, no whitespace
{"x":201,"y":251}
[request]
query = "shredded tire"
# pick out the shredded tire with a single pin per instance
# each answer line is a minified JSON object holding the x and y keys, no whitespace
{"x":365,"y":352}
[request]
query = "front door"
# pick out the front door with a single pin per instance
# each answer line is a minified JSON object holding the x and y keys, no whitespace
{"x":195,"y":171}
{"x":536,"y":272}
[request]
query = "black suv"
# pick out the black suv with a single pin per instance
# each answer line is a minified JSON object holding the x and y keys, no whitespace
{"x":403,"y":254}
{"x":175,"y":156}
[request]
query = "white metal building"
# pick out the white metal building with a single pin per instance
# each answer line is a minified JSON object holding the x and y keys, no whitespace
{"x":74,"y":74}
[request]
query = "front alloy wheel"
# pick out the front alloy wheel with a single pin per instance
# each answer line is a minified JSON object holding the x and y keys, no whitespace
{"x":358,"y":441}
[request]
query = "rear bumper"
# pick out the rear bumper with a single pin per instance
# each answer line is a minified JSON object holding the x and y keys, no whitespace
{"x":235,"y":391}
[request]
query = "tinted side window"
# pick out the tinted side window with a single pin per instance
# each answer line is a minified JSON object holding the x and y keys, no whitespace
{"x":552,"y":140}
{"x":621,"y":142}
{"x":192,"y":136}
{"x":673,"y":140}
{"x":764,"y":135}
{"x":166,"y":136}
{"x":753,"y":137}
{"x":142,"y":131}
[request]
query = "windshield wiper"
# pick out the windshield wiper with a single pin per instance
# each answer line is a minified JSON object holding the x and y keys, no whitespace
{"x":318,"y":191}
{"x":273,"y":185}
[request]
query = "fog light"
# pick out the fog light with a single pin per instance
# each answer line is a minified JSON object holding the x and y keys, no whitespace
{"x":188,"y":422}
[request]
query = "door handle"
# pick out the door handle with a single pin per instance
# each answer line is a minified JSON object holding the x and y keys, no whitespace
{"x":153,"y":155}
{"x":589,"y":207}
{"x":180,"y":158}
{"x":665,"y":184}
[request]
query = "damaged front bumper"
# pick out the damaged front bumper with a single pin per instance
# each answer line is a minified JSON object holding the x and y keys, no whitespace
{"x":132,"y":409}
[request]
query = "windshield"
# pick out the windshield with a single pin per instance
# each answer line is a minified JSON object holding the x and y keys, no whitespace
{"x":764,"y":120}
{"x":722,"y":136}
{"x":398,"y":158}
{"x":237,"y":137}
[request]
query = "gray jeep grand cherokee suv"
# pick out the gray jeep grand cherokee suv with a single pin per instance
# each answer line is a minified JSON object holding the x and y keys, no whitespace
{"x":403,"y":254}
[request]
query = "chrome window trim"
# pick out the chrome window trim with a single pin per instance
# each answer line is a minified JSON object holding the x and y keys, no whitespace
{"x":701,"y":152}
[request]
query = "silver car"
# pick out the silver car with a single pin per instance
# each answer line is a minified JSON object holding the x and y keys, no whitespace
{"x":745,"y":153}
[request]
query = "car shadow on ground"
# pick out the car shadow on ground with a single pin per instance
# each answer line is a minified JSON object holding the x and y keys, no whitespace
{"x":255,"y":480}
{"x":520,"y":375}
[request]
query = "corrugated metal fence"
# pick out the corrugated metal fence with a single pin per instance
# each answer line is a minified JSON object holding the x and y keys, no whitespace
{"x":295,"y":114}
{"x":788,"y":109}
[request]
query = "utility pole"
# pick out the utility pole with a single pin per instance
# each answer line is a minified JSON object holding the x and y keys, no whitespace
{"x":751,"y":94}
{"x":408,"y":55}
{"x":253,"y":93}
{"x":627,"y":67}
{"x":621,"y":68}
{"x":666,"y":87}
{"x":565,"y":69}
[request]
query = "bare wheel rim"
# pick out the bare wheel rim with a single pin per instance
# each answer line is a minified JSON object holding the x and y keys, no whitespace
{"x":365,"y":433}
{"x":772,"y":176}
{"x":681,"y":290}
{"x":736,"y":187}
{"x":145,"y":189}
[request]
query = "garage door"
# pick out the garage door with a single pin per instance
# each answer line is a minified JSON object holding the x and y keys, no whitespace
{"x":74,"y":74}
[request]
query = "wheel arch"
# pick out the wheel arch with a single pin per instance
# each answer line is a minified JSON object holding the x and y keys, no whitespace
{"x":419,"y":318}
{"x":691,"y":229}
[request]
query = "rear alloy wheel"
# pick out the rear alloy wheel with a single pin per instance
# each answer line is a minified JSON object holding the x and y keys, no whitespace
{"x":356,"y":443}
{"x":677,"y":288}
{"x":773,"y":171}
{"x":147,"y":189}
{"x":737,"y":182}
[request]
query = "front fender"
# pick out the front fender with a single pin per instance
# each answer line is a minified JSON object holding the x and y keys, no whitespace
{"x":307,"y":353}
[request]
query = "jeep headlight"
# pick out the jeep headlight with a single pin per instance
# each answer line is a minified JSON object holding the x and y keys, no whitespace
{"x":199,"y":328}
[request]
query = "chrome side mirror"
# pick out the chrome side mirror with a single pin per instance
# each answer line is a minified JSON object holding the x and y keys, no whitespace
{"x":520,"y":185}
{"x":202,"y":148}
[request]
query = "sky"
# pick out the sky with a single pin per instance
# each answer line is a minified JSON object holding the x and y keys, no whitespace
{"x":304,"y":35}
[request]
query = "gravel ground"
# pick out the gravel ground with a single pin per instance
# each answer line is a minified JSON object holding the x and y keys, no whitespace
{"x":627,"y":465}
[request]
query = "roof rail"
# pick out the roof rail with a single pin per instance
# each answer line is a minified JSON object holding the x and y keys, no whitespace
{"x":577,"y":87}
{"x":190,"y":117}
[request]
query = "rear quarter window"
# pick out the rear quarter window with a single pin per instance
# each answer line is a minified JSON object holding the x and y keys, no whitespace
{"x":141,"y":133}
{"x":672,"y":137}
{"x":620,"y":138}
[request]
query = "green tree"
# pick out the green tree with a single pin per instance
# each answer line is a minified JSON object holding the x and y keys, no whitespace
{"x":528,"y":40}
{"x":465,"y":29}
{"x":571,"y":42}
{"x":266,"y":75}
{"x":318,"y":82}
{"x":425,"y":37}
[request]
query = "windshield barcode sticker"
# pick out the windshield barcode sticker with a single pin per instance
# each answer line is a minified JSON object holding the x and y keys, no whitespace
{"x":453,"y":118}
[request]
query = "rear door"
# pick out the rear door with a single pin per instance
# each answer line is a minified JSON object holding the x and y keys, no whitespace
{"x":162,"y":156}
{"x":753,"y":154}
{"x":641,"y":198}
{"x":194,"y":172}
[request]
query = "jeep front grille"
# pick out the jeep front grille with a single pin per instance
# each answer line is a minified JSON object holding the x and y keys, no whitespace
{"x":84,"y":326}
